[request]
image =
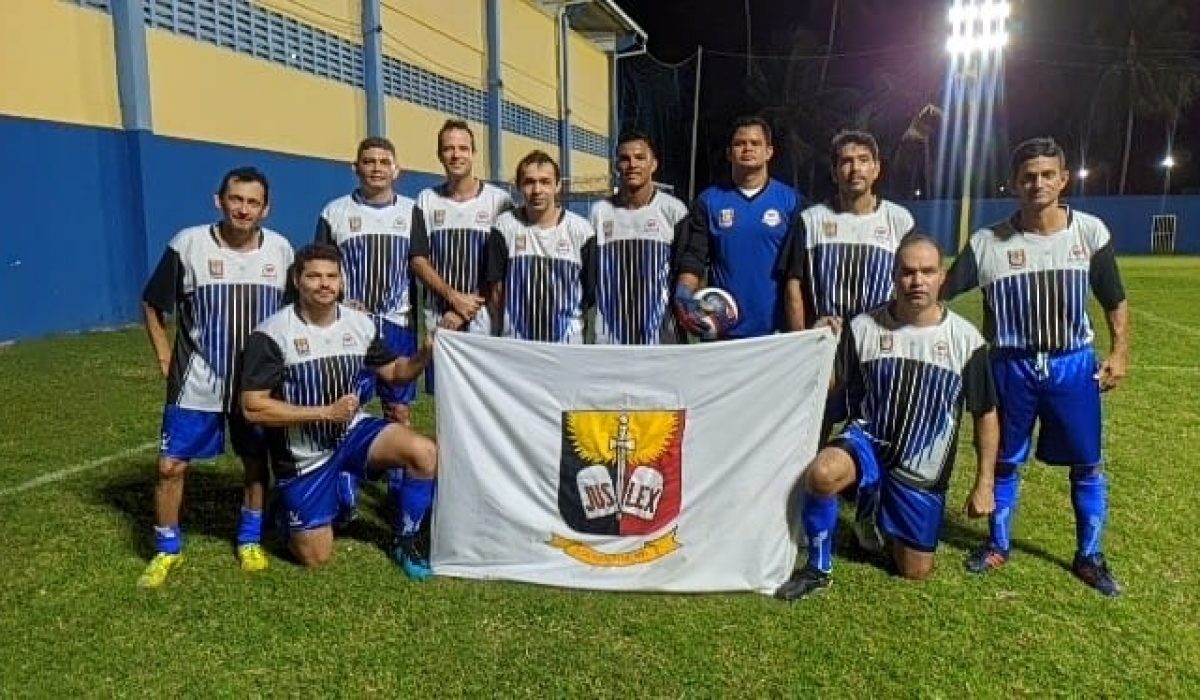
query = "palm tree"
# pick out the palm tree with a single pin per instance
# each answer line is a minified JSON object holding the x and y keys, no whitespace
{"x":1156,"y":75}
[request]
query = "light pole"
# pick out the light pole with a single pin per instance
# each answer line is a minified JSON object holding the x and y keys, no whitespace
{"x":978,"y":35}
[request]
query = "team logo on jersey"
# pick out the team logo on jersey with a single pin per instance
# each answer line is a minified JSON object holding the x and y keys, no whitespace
{"x":882,"y":233}
{"x":885,"y":343}
{"x":651,"y":225}
{"x":301,"y":345}
{"x":1016,"y":259}
{"x":439,"y":217}
{"x":1077,"y":252}
{"x":941,"y":350}
{"x":483,"y":217}
{"x":355,"y":224}
{"x":400,"y":224}
{"x":216,"y":268}
{"x":829,"y":228}
{"x":564,"y":245}
{"x":521,"y":242}
{"x":771,"y":217}
{"x":269,"y":271}
{"x":348,"y":340}
{"x":621,"y":474}
{"x":607,"y":229}
{"x":725,"y":219}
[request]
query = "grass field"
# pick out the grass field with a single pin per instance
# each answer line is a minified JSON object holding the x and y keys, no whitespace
{"x":75,"y":625}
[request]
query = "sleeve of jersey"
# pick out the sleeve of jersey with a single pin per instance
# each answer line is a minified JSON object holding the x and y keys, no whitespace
{"x":1106,"y":278}
{"x":418,"y":241}
{"x":963,"y":275}
{"x":262,"y":363}
{"x":693,"y":251}
{"x":324,"y":233}
{"x":495,"y":258}
{"x":587,"y":275}
{"x":165,"y":286}
{"x":795,"y":248}
{"x":979,"y":390}
{"x":848,"y":371}
{"x":378,"y":354}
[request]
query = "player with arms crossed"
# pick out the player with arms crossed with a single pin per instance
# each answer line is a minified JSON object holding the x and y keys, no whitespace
{"x":540,"y":261}
{"x":635,"y":239}
{"x":910,"y":367}
{"x":1035,"y":270}
{"x":220,"y":281}
{"x":303,"y":371}
{"x":735,"y":235}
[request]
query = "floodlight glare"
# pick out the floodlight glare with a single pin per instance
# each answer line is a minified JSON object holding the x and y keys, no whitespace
{"x":1083,"y":173}
{"x":1168,"y":162}
{"x":977,"y":26}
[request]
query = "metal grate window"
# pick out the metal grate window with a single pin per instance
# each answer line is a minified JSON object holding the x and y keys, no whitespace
{"x":102,"y":5}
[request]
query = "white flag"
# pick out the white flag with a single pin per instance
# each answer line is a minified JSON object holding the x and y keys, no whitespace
{"x":657,"y":468}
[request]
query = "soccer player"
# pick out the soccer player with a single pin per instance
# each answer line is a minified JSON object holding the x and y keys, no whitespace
{"x":1035,"y":270}
{"x":735,"y":235}
{"x":303,"y":371}
{"x":838,"y":264}
{"x":635,"y":237}
{"x":219,"y":281}
{"x":540,"y":260}
{"x":910,"y":367}
{"x":373,"y":226}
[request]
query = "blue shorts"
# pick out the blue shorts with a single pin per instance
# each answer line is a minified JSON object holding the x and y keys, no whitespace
{"x":910,"y":515}
{"x":403,"y":342}
{"x":310,"y":501}
{"x":188,"y":434}
{"x":1060,"y":392}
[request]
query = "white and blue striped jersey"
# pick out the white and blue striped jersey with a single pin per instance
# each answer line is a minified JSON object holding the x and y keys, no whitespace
{"x":546,"y":273}
{"x":309,"y":365}
{"x":453,"y":239}
{"x":375,"y":242}
{"x":634,"y":255}
{"x":845,"y":260}
{"x":218,"y":296}
{"x":907,"y":386}
{"x":1036,"y":286}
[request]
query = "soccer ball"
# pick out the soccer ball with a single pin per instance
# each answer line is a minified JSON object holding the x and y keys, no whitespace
{"x":719,"y":309}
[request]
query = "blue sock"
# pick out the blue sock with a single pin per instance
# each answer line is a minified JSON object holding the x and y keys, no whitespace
{"x":819,"y":515}
{"x":1008,"y":490}
{"x":395,"y":496}
{"x":168,"y":539}
{"x":250,"y":526}
{"x":1089,"y":496}
{"x":416,"y":495}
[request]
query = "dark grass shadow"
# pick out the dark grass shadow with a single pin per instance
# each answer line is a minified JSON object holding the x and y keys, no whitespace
{"x":212,"y":506}
{"x":957,"y":534}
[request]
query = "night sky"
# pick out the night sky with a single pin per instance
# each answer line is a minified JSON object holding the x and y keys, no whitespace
{"x":889,"y":55}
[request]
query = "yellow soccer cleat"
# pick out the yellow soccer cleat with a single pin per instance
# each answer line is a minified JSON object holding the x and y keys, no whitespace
{"x":157,"y":570}
{"x":252,"y":557}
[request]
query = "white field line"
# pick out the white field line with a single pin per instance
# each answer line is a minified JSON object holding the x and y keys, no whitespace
{"x":1175,"y":325}
{"x":76,"y":468}
{"x":1182,"y":369}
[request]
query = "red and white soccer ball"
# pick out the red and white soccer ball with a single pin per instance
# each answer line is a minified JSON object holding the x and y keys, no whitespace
{"x":720,"y":310}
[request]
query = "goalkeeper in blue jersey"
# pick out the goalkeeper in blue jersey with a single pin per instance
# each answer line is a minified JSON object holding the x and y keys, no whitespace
{"x":734,"y":236}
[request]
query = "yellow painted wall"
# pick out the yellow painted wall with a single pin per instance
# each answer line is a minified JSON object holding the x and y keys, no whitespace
{"x":414,"y":131}
{"x":447,"y":37}
{"x":57,"y":62}
{"x":340,"y":17}
{"x":528,"y":57}
{"x":589,"y":172}
{"x":589,"y":85}
{"x":200,"y":91}
{"x":583,"y":165}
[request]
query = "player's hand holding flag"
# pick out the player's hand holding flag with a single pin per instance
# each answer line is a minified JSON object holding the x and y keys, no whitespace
{"x":833,"y":323}
{"x":342,"y":410}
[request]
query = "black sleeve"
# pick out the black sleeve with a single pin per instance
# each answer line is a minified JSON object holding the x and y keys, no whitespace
{"x":693,"y":253}
{"x":587,"y":275}
{"x":324,"y":232}
{"x":262,"y":363}
{"x":792,"y":259}
{"x":1106,"y":278}
{"x":979,"y":390}
{"x":378,"y":354}
{"x":418,"y":242}
{"x":495,"y":258}
{"x":963,"y":275}
{"x":165,"y":287}
{"x":849,"y":371}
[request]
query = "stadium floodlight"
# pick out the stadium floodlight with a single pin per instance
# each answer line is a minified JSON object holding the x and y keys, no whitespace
{"x":1168,"y":162}
{"x":978,"y":26}
{"x":1082,"y":173}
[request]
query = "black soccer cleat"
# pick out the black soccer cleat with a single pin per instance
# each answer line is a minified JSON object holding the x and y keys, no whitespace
{"x":1094,"y":572}
{"x":803,"y":583}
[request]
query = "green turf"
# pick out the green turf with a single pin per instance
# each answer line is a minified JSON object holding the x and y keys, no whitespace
{"x":75,"y":625}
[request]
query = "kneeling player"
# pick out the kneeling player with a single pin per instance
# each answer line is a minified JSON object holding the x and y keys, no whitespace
{"x":302,"y":370}
{"x":909,"y":367}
